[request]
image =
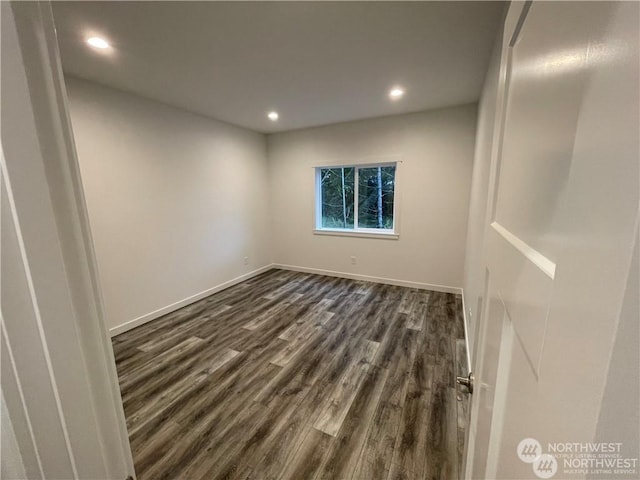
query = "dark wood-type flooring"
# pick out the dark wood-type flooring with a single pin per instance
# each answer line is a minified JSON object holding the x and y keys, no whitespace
{"x":297,"y":376}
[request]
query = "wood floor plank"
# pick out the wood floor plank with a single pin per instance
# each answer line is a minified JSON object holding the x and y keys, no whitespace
{"x":283,"y":291}
{"x":130,"y":358}
{"x":150,"y":447}
{"x":408,"y":456}
{"x":226,"y":355}
{"x":270,"y":328}
{"x":168,"y":338}
{"x":338,"y":405}
{"x":255,"y":434}
{"x":160,"y":363}
{"x":182,"y":403}
{"x":409,"y":297}
{"x":399,"y":357}
{"x":418,"y":311}
{"x":297,"y":376}
{"x":381,"y":318}
{"x":441,"y":446}
{"x":299,"y":340}
{"x":162,"y":390}
{"x":193,"y":456}
{"x":265,"y":317}
{"x":343,"y":455}
{"x":229,"y":416}
{"x":322,"y":378}
{"x":317,"y":314}
{"x":287,"y":435}
{"x":375,"y":458}
{"x":409,"y":461}
{"x":400,"y":366}
{"x":249,"y":377}
{"x":209,"y":401}
{"x":295,"y":346}
{"x":459,"y":315}
{"x":307,"y":459}
{"x":323,"y":361}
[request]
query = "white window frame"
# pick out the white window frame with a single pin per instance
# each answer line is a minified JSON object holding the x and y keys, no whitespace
{"x":387,"y":233}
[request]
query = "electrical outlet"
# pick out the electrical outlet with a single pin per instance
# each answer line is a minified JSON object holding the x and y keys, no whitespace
{"x":353,"y":260}
{"x":246,"y":260}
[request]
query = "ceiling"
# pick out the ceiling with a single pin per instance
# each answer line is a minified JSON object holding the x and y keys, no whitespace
{"x":315,"y":63}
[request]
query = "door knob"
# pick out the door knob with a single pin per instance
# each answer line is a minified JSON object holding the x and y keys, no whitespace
{"x":466,"y":382}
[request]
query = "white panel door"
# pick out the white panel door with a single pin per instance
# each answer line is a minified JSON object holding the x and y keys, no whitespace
{"x":563,"y":212}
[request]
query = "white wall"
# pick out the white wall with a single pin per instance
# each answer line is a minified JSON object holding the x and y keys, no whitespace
{"x":474,"y":271}
{"x":176,"y":201}
{"x":436,"y":149}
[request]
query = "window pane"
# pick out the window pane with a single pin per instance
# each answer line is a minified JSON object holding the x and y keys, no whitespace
{"x":338,"y":186}
{"x":375,"y":197}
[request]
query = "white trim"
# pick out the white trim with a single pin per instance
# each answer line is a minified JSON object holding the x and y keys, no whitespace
{"x":339,"y":232}
{"x":53,"y":127}
{"x":93,"y":335}
{"x":496,"y":431}
{"x":367,"y":278}
{"x":16,"y":379}
{"x":317,"y":199}
{"x":136,"y":322}
{"x":36,"y":313}
{"x":376,"y":161}
{"x":466,"y":332}
{"x":356,"y":196}
{"x":533,"y":255}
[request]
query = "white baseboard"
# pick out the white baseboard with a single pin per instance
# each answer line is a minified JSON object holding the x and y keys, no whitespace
{"x":136,"y":322}
{"x":367,"y":278}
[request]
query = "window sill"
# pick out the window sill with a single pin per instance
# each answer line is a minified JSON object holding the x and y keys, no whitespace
{"x":355,"y":233}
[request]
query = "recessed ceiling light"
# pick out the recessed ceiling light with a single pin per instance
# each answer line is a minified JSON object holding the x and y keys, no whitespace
{"x":396,"y":93}
{"x":273,"y":116}
{"x":97,"y":42}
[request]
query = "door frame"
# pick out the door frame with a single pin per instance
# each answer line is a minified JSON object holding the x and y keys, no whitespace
{"x":42,"y":107}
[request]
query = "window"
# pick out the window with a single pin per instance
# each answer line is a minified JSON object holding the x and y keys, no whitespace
{"x":356,"y":199}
